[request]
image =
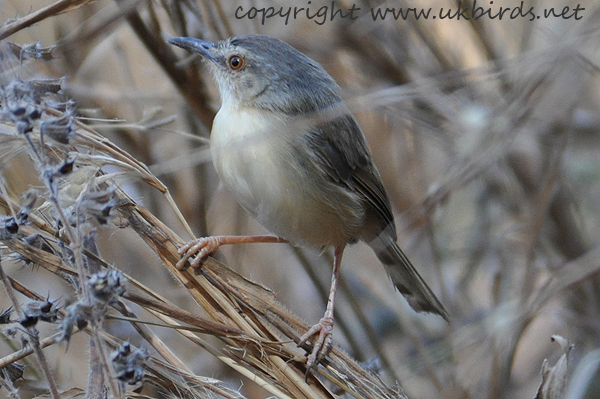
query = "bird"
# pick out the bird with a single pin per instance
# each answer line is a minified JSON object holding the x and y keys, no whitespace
{"x":295,"y":158}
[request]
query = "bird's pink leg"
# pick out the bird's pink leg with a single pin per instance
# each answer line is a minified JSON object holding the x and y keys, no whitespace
{"x":322,"y":343}
{"x":201,"y":248}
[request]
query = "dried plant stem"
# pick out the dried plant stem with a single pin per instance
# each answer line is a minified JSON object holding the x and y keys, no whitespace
{"x":153,"y":339}
{"x":221,"y":356}
{"x":216,"y":278}
{"x":33,"y":337}
{"x":49,"y":11}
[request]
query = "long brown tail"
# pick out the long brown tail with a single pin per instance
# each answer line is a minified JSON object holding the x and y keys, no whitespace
{"x":407,"y":280}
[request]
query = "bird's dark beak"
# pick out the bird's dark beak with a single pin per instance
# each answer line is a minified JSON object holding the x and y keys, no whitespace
{"x":194,"y":45}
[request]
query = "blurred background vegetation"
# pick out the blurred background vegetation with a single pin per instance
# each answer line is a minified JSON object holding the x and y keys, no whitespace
{"x":486,"y":133}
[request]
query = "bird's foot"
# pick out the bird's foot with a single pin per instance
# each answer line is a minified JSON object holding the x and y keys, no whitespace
{"x":198,"y":250}
{"x":321,"y":345}
{"x":201,"y":248}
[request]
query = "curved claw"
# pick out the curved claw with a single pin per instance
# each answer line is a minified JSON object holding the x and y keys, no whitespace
{"x":198,"y":249}
{"x":321,"y":345}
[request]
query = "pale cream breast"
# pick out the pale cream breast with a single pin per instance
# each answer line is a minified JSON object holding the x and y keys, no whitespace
{"x":244,"y":155}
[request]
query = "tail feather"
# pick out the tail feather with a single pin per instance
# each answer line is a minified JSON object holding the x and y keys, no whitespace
{"x":407,"y":280}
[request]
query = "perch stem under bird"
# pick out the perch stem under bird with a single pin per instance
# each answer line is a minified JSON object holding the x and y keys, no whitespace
{"x":295,"y":158}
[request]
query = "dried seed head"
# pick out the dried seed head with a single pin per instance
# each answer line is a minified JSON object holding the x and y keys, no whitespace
{"x":78,"y":315}
{"x":11,"y":332}
{"x":27,"y":202}
{"x":19,"y":104}
{"x":8,"y":227}
{"x":33,"y":51}
{"x":12,"y":372}
{"x":128,"y":363}
{"x":107,"y":286}
{"x":35,"y":311}
{"x":98,"y":204}
{"x":5,"y":316}
{"x":60,"y":130}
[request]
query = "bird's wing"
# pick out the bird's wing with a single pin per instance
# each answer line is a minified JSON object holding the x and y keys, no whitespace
{"x":340,"y":149}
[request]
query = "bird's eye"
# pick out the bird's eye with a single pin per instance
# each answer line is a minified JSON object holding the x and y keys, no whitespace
{"x":235,"y":62}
